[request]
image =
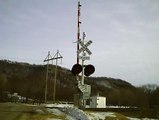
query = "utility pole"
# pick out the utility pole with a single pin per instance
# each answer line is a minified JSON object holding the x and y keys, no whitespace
{"x":48,"y":57}
{"x":56,"y":57}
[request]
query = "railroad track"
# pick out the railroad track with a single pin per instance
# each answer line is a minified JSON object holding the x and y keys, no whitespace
{"x":113,"y":109}
{"x":138,"y":112}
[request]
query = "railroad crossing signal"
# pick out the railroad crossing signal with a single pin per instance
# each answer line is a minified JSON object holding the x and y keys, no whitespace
{"x":84,"y":47}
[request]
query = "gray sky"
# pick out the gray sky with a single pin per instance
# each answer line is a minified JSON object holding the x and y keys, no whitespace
{"x":125,"y":35}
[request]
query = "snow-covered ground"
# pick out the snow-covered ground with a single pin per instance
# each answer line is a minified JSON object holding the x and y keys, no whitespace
{"x":73,"y":113}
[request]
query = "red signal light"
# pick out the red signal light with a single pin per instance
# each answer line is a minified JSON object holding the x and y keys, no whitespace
{"x":76,"y":69}
{"x":89,"y":69}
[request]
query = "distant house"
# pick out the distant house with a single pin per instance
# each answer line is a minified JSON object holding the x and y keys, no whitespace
{"x":98,"y":102}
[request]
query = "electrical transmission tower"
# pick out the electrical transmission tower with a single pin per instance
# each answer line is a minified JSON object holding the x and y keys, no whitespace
{"x":50,"y":58}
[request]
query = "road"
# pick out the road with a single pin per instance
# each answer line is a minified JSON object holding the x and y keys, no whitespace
{"x":16,"y":111}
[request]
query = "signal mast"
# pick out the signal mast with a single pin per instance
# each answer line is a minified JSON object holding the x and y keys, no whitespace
{"x":78,"y":28}
{"x":87,"y":70}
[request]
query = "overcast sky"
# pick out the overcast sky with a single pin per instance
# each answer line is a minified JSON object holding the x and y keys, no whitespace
{"x":125,"y":35}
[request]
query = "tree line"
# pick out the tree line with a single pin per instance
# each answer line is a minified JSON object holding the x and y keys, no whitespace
{"x":29,"y":81}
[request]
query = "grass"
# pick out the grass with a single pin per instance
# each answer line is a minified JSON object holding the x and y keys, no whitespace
{"x":117,"y":116}
{"x":112,"y":116}
{"x":47,"y":116}
{"x":10,"y":111}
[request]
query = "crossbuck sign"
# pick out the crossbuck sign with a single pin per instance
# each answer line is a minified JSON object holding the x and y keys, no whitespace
{"x":84,"y":47}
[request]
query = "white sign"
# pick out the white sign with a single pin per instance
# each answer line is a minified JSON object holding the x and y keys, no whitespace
{"x":84,"y":47}
{"x":84,"y":57}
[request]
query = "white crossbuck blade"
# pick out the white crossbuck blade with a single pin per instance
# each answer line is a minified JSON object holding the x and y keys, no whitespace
{"x":84,"y":47}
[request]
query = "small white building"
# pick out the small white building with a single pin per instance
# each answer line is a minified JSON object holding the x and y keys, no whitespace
{"x":98,"y":102}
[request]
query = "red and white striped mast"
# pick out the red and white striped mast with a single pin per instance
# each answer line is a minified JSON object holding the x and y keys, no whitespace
{"x":87,"y":70}
{"x":78,"y":29}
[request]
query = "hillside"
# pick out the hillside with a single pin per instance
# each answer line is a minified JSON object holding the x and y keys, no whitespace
{"x":17,"y":76}
{"x":29,"y":81}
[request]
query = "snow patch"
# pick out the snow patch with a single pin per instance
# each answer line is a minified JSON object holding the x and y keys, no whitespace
{"x":75,"y":113}
{"x":58,"y":112}
{"x":141,"y":118}
{"x":55,"y":111}
{"x":99,"y":115}
{"x":58,"y":105}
